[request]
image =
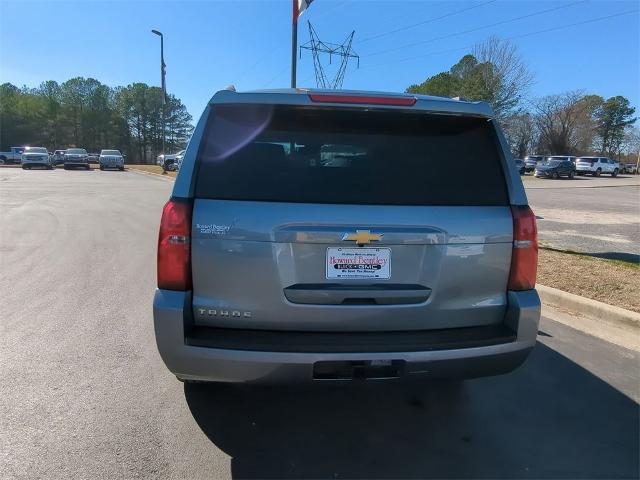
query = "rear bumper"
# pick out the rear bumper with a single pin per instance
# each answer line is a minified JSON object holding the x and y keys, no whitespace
{"x":172,"y":320}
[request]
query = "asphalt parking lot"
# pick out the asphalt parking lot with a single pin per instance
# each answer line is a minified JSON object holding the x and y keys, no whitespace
{"x":598,"y":216}
{"x":85,"y":394}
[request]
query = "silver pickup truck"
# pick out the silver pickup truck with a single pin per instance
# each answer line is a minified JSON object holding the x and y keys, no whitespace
{"x":13,"y":156}
{"x":321,"y":236}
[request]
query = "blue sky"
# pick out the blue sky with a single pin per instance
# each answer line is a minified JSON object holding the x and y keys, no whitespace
{"x":211,"y":44}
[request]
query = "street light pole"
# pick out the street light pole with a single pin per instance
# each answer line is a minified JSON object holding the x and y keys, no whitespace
{"x":294,"y":43}
{"x":163,"y":71}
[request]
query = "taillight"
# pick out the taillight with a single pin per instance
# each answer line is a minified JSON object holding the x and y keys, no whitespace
{"x":524,"y":259}
{"x":174,"y":246}
{"x":363,"y":99}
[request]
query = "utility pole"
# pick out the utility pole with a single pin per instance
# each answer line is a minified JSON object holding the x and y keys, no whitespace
{"x":343,"y":51}
{"x":163,"y":72}
{"x":299,"y":6}
{"x":294,"y":42}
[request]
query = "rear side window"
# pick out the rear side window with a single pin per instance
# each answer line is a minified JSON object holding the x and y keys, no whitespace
{"x":353,"y":156}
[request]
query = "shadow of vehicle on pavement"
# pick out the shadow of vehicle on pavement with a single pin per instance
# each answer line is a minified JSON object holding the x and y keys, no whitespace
{"x":549,"y":419}
{"x":623,"y":256}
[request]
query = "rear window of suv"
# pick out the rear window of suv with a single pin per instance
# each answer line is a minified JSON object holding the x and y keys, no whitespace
{"x":352,"y":156}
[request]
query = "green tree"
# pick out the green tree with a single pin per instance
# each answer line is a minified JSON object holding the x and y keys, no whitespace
{"x":493,"y":72}
{"x":612,"y":117}
{"x":86,"y":113}
{"x":443,"y":84}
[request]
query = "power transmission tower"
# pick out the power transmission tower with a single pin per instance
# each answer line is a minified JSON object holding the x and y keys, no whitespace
{"x":342,"y":51}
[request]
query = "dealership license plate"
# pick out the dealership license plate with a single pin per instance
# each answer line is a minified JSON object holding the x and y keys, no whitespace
{"x":358,"y":263}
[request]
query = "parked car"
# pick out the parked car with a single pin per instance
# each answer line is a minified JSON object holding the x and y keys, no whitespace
{"x":57,"y":157}
{"x":631,"y":168}
{"x":275,"y":266}
{"x":596,"y":166}
{"x":111,"y":159}
{"x":36,"y":157}
{"x":13,"y":156}
{"x":530,"y":162}
{"x":166,"y":161}
{"x":555,"y":169}
{"x":569,"y":158}
{"x":169,"y":161}
{"x":520,"y":166}
{"x":178,"y":160}
{"x":76,"y":157}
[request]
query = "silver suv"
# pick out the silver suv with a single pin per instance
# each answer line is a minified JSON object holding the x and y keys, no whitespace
{"x":316,"y":235}
{"x":111,"y":159}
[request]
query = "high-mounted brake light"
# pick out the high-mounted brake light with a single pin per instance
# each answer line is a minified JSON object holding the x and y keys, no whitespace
{"x":174,"y":246}
{"x":524,"y":259}
{"x":361,"y":99}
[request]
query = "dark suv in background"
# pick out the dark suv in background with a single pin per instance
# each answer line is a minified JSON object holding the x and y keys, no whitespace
{"x":76,"y":157}
{"x":530,"y":162}
{"x":555,"y":168}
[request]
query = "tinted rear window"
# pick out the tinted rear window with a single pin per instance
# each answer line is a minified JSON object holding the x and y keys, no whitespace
{"x":353,"y":156}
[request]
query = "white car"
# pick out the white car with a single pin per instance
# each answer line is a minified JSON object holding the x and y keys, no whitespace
{"x":179,"y":157}
{"x":596,"y":166}
{"x":171,"y":161}
{"x":630,"y":168}
{"x":111,"y":159}
{"x":36,"y":157}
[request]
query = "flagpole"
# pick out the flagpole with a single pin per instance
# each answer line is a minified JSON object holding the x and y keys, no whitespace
{"x":294,"y":42}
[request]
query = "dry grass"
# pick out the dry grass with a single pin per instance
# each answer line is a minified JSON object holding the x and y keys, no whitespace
{"x":610,"y":281}
{"x":151,"y":169}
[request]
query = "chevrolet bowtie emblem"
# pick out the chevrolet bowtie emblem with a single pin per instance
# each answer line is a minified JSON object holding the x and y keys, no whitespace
{"x":362,"y":237}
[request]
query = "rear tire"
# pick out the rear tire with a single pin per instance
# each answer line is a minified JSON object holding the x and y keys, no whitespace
{"x":101,"y":168}
{"x":614,"y":173}
{"x":24,"y":167}
{"x":571,"y":174}
{"x":555,"y":175}
{"x":598,"y":172}
{"x":122,"y":169}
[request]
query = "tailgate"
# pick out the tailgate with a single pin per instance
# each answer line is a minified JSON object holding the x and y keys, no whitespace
{"x":267,"y":266}
{"x":349,"y":219}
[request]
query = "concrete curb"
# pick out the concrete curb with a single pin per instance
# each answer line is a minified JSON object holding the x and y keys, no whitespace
{"x":587,"y":307}
{"x":143,"y":172}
